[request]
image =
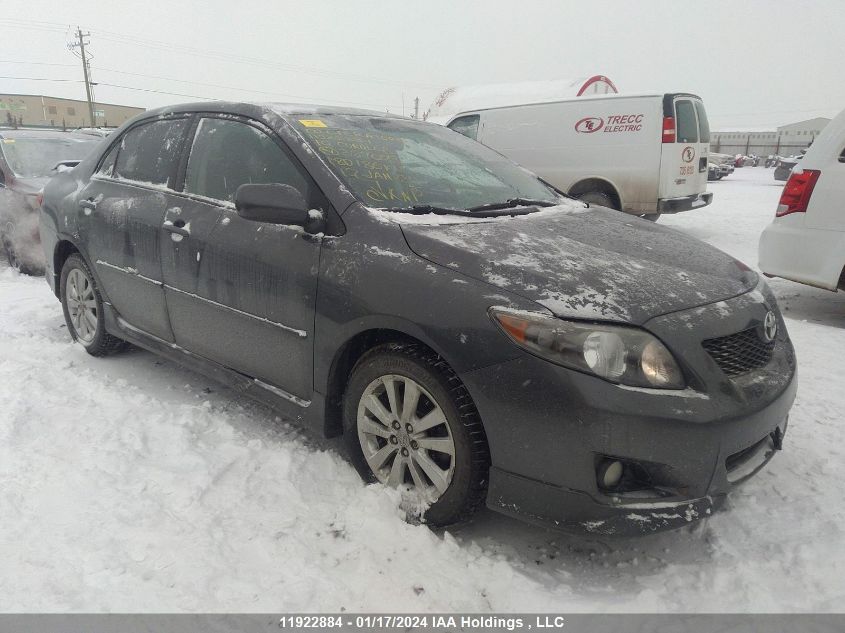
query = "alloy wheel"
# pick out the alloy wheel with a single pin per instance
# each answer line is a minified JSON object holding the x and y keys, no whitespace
{"x":81,"y":305}
{"x":405,"y":437}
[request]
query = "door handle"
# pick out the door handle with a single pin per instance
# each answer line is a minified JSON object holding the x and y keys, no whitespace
{"x":178,"y":227}
{"x":88,"y":204}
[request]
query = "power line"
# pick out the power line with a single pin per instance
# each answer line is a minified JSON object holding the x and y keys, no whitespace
{"x":79,"y":81}
{"x":235,"y":88}
{"x":169,"y":47}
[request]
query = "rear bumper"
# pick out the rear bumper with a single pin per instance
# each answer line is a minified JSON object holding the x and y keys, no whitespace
{"x":790,"y":250}
{"x":685,"y":203}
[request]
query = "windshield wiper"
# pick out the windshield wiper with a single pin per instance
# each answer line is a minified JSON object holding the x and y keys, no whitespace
{"x":510,"y":204}
{"x":493,"y":211}
{"x":423,"y":209}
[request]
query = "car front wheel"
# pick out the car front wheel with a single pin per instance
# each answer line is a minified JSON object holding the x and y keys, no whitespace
{"x":82,"y":305}
{"x":410,"y":423}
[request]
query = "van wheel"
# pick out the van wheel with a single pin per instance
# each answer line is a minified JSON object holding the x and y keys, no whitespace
{"x":82,"y":305}
{"x":598,"y":198}
{"x":409,"y":422}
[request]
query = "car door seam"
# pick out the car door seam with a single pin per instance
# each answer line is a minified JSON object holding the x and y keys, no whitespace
{"x":135,"y":273}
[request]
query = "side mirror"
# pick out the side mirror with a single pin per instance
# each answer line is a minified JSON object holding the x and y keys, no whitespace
{"x":277,"y":204}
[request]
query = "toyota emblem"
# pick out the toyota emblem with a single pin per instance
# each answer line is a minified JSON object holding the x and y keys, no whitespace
{"x":770,"y":326}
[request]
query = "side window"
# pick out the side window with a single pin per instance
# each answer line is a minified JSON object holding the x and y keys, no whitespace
{"x":685,"y":121}
{"x":227,"y":154}
{"x":107,"y":166}
{"x":466,"y":125}
{"x":703,"y":123}
{"x":148,"y":153}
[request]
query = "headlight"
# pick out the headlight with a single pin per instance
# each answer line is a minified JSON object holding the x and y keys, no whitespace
{"x":620,"y":354}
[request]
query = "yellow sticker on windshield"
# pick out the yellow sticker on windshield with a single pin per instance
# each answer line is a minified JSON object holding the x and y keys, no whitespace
{"x":312,"y":123}
{"x":8,"y":140}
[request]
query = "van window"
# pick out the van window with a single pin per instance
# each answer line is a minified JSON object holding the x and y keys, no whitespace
{"x":227,"y":154}
{"x":685,"y":122}
{"x":703,"y":123}
{"x":466,"y":125}
{"x":148,"y":152}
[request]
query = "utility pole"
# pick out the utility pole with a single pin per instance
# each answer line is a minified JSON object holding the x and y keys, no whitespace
{"x":80,"y":43}
{"x":416,"y":107}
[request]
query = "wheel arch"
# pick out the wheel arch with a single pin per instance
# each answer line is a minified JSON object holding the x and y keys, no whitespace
{"x":64,"y":248}
{"x":344,"y":361}
{"x":596,"y":183}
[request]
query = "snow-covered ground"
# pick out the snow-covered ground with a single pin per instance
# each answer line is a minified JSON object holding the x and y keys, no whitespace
{"x":130,"y":484}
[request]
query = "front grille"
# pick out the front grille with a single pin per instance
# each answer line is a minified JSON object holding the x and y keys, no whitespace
{"x":739,"y":353}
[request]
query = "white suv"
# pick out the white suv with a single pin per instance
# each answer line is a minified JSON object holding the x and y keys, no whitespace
{"x":806,"y":240}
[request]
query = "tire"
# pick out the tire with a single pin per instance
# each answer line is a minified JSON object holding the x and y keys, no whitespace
{"x":599,"y":198}
{"x":86,"y":325}
{"x":602,"y":199}
{"x":12,"y":257}
{"x":464,"y":486}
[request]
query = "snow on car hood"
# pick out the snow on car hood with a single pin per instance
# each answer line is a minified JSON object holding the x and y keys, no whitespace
{"x":593,"y":264}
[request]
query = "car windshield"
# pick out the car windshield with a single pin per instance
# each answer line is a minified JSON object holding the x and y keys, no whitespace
{"x":399,"y":164}
{"x":34,"y":157}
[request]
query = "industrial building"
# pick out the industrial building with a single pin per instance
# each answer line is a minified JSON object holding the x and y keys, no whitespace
{"x":783,"y":141}
{"x":45,"y":111}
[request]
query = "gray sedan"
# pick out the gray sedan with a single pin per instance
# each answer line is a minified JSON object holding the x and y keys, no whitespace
{"x":474,"y":335}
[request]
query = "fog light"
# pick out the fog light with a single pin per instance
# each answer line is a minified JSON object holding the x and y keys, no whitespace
{"x":609,"y":474}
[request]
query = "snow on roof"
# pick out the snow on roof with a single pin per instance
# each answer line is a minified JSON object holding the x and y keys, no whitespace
{"x":453,"y":101}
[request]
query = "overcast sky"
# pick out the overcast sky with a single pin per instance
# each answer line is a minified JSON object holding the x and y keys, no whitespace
{"x":755,"y":63}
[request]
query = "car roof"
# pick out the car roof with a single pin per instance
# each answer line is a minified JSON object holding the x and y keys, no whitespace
{"x":284,"y":110}
{"x":11,"y":133}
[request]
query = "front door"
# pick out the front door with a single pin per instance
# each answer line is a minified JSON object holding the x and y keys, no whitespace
{"x":121,"y":212}
{"x":241,"y":293}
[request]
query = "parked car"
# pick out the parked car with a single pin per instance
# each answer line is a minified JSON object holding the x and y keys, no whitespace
{"x":473,"y":334}
{"x":27,"y":160}
{"x":806,"y":240}
{"x":724,"y":161}
{"x":784,"y":166}
{"x":714,"y":171}
{"x":642,"y":154}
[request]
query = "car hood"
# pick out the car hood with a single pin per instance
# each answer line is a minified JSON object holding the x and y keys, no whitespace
{"x":585,"y":263}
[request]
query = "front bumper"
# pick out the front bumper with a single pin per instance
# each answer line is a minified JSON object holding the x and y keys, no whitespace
{"x":561,"y":508}
{"x":549,"y":427}
{"x":685,"y":203}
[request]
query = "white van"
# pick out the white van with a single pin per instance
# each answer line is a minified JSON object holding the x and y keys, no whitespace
{"x":806,"y":240}
{"x":643,"y":154}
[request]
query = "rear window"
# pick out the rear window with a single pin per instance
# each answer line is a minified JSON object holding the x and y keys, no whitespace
{"x":685,"y":121}
{"x":148,"y":152}
{"x":703,"y":123}
{"x":466,"y":125}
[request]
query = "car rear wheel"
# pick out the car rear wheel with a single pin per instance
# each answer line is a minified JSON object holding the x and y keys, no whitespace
{"x":410,"y":423}
{"x":604,"y":200}
{"x":12,"y":255}
{"x":82,"y":305}
{"x":598,"y":198}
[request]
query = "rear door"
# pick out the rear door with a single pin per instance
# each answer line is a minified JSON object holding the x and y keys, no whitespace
{"x":121,"y":211}
{"x":684,"y":154}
